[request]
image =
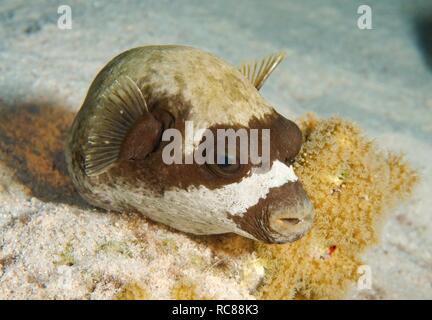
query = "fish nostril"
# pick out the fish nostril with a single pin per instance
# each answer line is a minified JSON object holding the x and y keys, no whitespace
{"x":292,"y":221}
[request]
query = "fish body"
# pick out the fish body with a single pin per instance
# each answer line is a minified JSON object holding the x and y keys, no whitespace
{"x":115,"y":149}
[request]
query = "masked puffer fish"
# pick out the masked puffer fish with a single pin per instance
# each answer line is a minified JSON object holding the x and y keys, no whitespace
{"x":116,"y":145}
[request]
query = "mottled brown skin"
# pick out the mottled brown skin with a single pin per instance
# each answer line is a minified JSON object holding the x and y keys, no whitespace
{"x":140,"y":158}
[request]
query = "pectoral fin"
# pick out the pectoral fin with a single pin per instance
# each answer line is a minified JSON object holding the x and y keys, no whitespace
{"x":121,"y":107}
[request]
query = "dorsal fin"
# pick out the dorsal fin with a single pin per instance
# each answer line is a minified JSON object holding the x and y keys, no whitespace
{"x":121,"y":107}
{"x":257,"y":72}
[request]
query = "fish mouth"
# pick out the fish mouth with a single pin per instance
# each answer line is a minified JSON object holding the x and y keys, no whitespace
{"x":292,"y":223}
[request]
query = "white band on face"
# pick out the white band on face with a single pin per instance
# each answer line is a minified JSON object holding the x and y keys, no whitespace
{"x":237,"y":198}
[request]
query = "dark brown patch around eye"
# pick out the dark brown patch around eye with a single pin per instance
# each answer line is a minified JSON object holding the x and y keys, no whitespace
{"x":164,"y":117}
{"x":224,"y":166}
{"x":286,"y":139}
{"x":285,"y":142}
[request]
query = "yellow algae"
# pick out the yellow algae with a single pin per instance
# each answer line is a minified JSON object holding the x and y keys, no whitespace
{"x":133,"y":291}
{"x":184,"y":290}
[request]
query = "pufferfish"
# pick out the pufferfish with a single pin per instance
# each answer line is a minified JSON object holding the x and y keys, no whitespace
{"x":114,"y":147}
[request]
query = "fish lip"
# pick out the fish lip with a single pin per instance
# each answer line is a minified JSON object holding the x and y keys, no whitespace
{"x":292,"y":232}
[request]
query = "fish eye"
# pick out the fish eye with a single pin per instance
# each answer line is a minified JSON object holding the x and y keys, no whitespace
{"x":225,"y":161}
{"x":225,"y":166}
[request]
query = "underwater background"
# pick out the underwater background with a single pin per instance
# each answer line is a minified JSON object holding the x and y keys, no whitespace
{"x":379,"y":78}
